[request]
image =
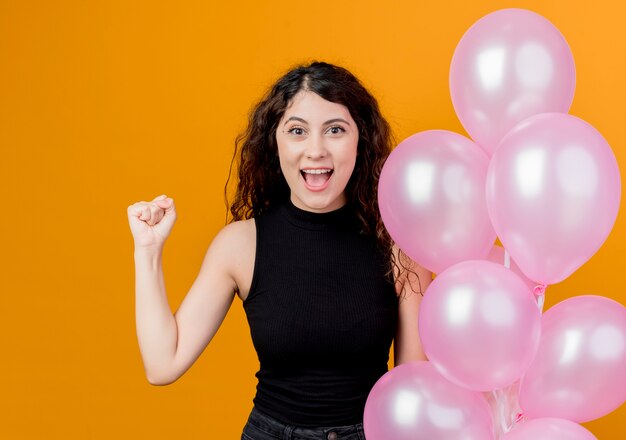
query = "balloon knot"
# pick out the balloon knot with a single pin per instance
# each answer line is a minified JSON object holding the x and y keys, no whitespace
{"x":540,"y":289}
{"x":519,"y":417}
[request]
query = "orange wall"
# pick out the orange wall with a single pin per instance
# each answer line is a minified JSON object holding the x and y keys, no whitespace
{"x":106,"y":103}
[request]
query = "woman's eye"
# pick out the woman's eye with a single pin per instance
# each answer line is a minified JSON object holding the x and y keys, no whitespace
{"x":298,"y":131}
{"x":336,"y":129}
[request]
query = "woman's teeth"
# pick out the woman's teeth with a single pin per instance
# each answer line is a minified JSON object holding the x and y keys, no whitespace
{"x":316,"y":171}
{"x":316,"y":177}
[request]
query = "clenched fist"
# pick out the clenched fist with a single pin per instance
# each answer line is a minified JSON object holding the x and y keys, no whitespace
{"x":152,"y":222}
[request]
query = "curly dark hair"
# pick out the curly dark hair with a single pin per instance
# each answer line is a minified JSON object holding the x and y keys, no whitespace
{"x":261,"y":184}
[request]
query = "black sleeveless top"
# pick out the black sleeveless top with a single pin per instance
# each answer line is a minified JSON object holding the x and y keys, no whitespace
{"x":322,"y":316}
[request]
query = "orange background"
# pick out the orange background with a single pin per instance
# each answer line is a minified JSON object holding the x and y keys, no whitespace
{"x":103,"y":104}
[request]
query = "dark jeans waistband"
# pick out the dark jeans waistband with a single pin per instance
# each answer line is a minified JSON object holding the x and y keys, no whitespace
{"x":261,"y":426}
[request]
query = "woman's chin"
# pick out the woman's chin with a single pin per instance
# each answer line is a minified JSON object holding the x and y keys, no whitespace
{"x":319,"y":202}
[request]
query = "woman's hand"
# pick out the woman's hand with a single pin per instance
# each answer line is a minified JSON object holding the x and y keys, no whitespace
{"x":152,"y":222}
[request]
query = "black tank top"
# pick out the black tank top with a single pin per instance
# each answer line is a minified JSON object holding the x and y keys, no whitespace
{"x":322,"y":316}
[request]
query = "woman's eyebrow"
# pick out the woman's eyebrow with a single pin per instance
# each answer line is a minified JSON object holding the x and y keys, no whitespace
{"x":330,"y":121}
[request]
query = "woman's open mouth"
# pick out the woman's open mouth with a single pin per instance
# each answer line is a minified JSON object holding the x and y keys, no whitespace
{"x":316,"y":179}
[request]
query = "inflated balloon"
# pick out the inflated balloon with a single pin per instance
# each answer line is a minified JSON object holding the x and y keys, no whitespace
{"x":549,"y":429}
{"x":496,"y":255}
{"x":479,"y":325}
{"x":579,"y":372}
{"x":413,"y":401}
{"x":553,"y":192}
{"x":431,"y":196}
{"x":511,"y":64}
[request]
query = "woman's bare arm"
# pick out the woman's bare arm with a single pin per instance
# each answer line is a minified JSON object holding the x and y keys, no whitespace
{"x":170,"y":344}
{"x":407,"y":344}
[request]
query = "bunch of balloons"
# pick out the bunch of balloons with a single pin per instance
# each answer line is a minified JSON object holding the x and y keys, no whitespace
{"x":547,"y":184}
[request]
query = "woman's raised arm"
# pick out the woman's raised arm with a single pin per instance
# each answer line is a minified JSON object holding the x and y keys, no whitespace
{"x":170,"y":343}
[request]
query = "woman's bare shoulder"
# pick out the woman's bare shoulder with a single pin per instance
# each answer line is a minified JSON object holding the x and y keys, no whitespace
{"x":233,"y":239}
{"x":238,"y":230}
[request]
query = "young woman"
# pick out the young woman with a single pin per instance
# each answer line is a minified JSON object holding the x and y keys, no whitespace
{"x":324,"y":288}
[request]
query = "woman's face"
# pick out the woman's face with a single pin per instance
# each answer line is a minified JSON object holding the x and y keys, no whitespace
{"x":317,"y":146}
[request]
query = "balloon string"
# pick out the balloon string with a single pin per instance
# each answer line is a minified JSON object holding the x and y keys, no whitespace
{"x":507,"y":259}
{"x":507,"y":412}
{"x":500,"y":411}
{"x":540,"y":302}
{"x":498,"y":396}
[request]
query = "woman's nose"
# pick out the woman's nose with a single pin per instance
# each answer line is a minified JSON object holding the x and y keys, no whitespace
{"x":315,"y":147}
